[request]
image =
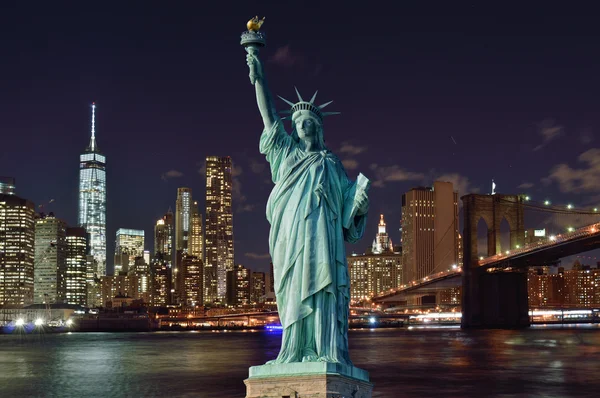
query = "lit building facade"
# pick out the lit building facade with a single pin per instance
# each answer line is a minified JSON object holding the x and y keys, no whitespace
{"x":239,"y":286}
{"x":141,"y":269}
{"x":196,"y":242}
{"x":373,"y":274}
{"x":92,"y":198}
{"x":190,"y":281}
{"x":429,"y":231}
{"x":119,"y":285}
{"x":578,"y":287}
{"x":17,"y":250}
{"x":129,"y":244}
{"x":382,"y":242}
{"x":183,"y":218}
{"x":7,"y":185}
{"x":50,"y":262}
{"x":219,"y":252}
{"x":257,"y":295}
{"x":160,"y":269}
{"x":535,"y":235}
{"x":163,"y":235}
{"x":77,"y":262}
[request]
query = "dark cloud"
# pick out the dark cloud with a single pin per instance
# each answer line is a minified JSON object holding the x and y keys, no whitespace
{"x":549,"y":132}
{"x":171,"y":174}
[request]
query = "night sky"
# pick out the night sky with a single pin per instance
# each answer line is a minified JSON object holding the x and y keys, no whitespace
{"x":463,"y":95}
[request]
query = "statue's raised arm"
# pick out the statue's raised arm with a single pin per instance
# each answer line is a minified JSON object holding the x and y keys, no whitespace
{"x":263,"y":95}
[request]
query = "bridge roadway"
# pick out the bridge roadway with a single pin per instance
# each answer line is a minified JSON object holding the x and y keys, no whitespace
{"x":535,"y":254}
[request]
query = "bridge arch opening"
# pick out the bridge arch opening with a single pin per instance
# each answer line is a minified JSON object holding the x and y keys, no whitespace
{"x":504,"y":235}
{"x":482,"y":238}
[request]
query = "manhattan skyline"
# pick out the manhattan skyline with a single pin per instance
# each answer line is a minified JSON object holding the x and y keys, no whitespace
{"x":465,"y":97}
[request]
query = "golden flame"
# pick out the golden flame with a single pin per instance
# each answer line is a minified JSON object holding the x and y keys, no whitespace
{"x":254,"y":24}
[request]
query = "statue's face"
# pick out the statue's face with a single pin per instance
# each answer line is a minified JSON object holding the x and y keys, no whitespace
{"x":306,"y":127}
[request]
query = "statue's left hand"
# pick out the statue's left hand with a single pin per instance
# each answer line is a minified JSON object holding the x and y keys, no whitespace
{"x":361,"y":201}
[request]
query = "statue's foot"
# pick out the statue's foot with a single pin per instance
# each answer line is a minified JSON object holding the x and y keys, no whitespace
{"x":310,"y":358}
{"x":272,"y":362}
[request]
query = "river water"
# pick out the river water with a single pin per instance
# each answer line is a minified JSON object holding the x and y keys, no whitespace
{"x":441,"y":362}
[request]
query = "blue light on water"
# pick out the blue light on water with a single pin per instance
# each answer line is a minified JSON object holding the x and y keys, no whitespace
{"x":274,"y":327}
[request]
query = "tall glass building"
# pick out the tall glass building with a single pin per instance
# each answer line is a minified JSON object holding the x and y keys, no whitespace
{"x":7,"y":185}
{"x":77,"y":250}
{"x":128,"y":245}
{"x":218,"y":245}
{"x":92,"y":198}
{"x":183,"y":218}
{"x":50,"y":262}
{"x":17,"y":250}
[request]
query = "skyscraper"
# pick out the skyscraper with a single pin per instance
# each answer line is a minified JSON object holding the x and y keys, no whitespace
{"x":196,"y":242}
{"x":161,"y":280}
{"x":190,"y":281}
{"x":17,"y":250}
{"x":77,"y":262}
{"x":239,"y":286}
{"x":373,"y":274}
{"x":382,"y":242}
{"x":50,"y":262}
{"x":376,"y":271}
{"x":163,"y":235}
{"x":92,"y":198}
{"x":257,"y":295}
{"x":183,"y":217}
{"x":429,"y":230}
{"x":129,"y":244}
{"x":7,"y":185}
{"x":219,"y":228}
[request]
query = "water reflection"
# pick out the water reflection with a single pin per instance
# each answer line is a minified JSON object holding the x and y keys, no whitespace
{"x":420,"y":362}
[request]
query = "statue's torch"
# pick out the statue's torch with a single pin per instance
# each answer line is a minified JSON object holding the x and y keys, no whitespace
{"x":252,"y":40}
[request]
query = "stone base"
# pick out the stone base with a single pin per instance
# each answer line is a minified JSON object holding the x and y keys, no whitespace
{"x":308,"y":380}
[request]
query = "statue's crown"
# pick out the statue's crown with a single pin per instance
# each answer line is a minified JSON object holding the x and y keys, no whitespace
{"x":307,"y":106}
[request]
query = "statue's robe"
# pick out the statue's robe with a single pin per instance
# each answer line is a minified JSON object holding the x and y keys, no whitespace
{"x":310,"y":199}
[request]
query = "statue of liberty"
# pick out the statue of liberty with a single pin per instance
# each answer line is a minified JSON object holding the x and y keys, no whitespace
{"x":314,"y":207}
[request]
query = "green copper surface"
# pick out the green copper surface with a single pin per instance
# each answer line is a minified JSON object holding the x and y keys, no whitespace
{"x":313,"y":209}
{"x":308,"y":368}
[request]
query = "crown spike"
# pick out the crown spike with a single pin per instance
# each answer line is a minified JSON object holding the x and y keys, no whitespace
{"x":325,"y":104}
{"x":312,"y":100}
{"x":330,"y":113}
{"x":298,"y":93}
{"x":290,"y":103}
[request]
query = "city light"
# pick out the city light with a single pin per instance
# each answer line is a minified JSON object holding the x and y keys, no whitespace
{"x":518,"y":246}
{"x":569,"y":206}
{"x":454,"y":266}
{"x":20,"y":322}
{"x":372,"y":320}
{"x":39,"y":322}
{"x":595,"y":209}
{"x":481,"y":257}
{"x":570,"y":229}
{"x":508,"y":252}
{"x":547,"y":202}
{"x":552,"y":238}
{"x":527,"y":197}
{"x":69,"y":322}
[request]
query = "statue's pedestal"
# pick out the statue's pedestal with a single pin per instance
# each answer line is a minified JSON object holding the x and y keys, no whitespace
{"x":308,"y":380}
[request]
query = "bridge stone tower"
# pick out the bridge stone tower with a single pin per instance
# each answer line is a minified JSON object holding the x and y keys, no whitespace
{"x":492,"y":299}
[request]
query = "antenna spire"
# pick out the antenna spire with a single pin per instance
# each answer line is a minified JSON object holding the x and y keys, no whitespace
{"x":93,"y":120}
{"x":92,"y":146}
